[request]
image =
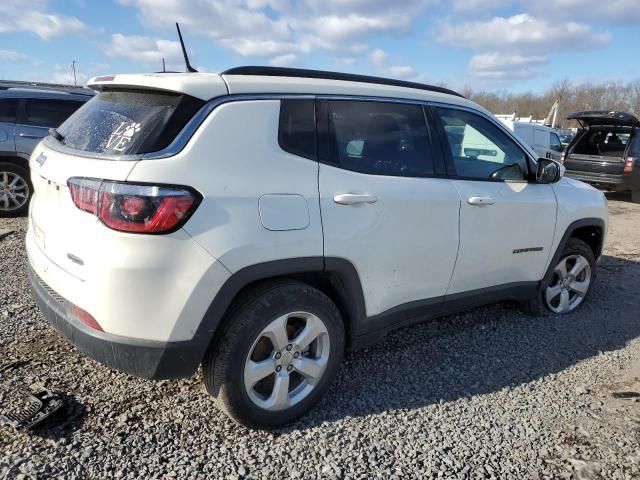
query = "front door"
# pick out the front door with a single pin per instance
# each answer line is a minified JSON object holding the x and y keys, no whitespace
{"x":507,"y":221}
{"x":383,"y":207}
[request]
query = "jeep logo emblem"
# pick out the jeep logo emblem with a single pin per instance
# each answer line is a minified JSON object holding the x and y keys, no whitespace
{"x":40,"y":159}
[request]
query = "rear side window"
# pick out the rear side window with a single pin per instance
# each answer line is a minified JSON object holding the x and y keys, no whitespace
{"x":48,"y":113}
{"x":8,"y":109}
{"x":297,"y":128}
{"x":378,"y":138}
{"x":128,"y":122}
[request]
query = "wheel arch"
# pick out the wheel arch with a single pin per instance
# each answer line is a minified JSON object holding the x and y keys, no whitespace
{"x":589,"y":230}
{"x":335,"y":277}
{"x":15,"y":158}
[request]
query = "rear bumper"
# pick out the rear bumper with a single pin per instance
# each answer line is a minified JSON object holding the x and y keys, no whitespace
{"x":615,"y":182}
{"x":141,"y":358}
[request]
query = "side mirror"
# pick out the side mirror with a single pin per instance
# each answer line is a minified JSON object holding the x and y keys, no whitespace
{"x":549,"y":171}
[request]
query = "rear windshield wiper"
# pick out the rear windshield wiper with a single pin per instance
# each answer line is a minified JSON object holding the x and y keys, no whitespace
{"x":56,"y":134}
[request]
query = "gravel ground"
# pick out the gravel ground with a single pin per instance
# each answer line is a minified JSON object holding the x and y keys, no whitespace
{"x":488,"y":394}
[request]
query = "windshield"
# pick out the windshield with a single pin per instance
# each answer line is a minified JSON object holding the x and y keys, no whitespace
{"x":128,"y":122}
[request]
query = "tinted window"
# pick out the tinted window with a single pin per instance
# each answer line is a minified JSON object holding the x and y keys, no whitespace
{"x":480,"y":150}
{"x":297,"y":129}
{"x":49,"y":113}
{"x":8,"y":109}
{"x":378,"y":138}
{"x":128,"y":122}
{"x":554,"y":142}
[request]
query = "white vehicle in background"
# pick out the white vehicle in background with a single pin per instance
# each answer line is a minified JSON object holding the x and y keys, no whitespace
{"x":543,"y":139}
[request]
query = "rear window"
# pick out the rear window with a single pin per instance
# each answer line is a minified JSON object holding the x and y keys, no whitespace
{"x":605,"y":142}
{"x":128,"y":122}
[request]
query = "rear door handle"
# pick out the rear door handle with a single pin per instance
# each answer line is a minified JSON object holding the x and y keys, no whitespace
{"x":29,"y":135}
{"x":480,"y":200}
{"x":354,"y":198}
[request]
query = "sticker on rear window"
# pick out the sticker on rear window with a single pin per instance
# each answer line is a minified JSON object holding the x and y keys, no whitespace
{"x":122,"y":136}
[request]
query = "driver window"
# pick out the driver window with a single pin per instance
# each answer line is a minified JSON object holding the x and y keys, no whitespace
{"x":480,"y":150}
{"x":379,"y":138}
{"x":554,"y":142}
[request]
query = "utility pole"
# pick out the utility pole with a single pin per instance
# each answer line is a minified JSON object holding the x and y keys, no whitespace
{"x":163,"y":66}
{"x":73,"y":67}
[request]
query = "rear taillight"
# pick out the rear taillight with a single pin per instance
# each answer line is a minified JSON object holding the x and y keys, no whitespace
{"x":563,"y":156}
{"x":135,"y":208}
{"x":628,"y":164}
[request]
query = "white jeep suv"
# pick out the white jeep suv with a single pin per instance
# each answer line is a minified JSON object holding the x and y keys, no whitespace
{"x":260,"y":221}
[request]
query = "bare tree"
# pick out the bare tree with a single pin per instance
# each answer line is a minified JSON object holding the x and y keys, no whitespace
{"x":571,"y":98}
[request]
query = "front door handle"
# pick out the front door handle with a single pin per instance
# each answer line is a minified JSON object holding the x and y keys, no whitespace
{"x":480,"y":200}
{"x":29,"y":135}
{"x":354,"y":198}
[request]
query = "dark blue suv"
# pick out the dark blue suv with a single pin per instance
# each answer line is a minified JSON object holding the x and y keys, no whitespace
{"x":26,"y":115}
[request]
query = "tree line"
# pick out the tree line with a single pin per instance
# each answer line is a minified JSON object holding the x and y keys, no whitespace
{"x":571,"y":97}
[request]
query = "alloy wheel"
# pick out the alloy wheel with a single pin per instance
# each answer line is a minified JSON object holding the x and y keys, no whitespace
{"x":14,"y":191}
{"x":569,"y":285}
{"x":286,"y":361}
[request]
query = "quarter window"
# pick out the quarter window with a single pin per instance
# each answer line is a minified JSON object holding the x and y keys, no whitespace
{"x":480,"y":150}
{"x":297,"y":128}
{"x":378,"y":138}
{"x":49,"y":113}
{"x":8,"y":109}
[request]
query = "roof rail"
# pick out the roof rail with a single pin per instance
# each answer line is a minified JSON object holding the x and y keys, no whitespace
{"x":349,"y":77}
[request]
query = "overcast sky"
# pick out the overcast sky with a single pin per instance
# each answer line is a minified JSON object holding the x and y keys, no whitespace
{"x":514,"y":44}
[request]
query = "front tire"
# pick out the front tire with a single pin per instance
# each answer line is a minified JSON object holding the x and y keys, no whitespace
{"x":566,"y":286}
{"x":277,"y":356}
{"x":15,"y":190}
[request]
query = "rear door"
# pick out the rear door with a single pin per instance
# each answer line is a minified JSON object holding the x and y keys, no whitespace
{"x":507,"y":222}
{"x":36,"y":116}
{"x":8,"y":111}
{"x":386,"y":206}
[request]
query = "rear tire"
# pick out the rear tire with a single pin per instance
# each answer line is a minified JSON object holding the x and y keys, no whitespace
{"x":567,"y":283}
{"x":15,"y":189}
{"x":635,"y":196}
{"x":277,"y":355}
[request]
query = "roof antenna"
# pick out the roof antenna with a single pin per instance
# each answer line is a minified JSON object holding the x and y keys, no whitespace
{"x":184,"y":51}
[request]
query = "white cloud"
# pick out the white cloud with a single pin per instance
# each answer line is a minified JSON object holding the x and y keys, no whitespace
{"x":268,"y":28}
{"x":12,"y":56}
{"x":504,"y":67}
{"x":609,"y":11}
{"x":521,"y":32}
{"x":475,"y":5}
{"x":403,"y":72}
{"x":381,"y":61}
{"x":146,"y":50}
{"x":378,"y":57}
{"x":283,"y":60}
{"x":18,"y":16}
